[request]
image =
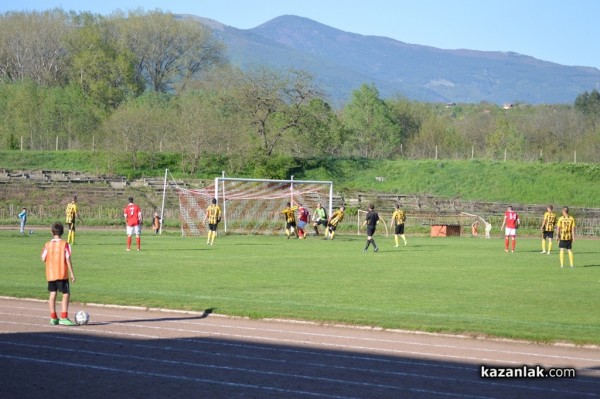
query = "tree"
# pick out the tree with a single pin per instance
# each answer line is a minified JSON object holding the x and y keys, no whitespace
{"x":276,"y":105}
{"x":139,"y":126}
{"x":322,"y":133}
{"x":374,"y":133}
{"x":32,"y":46}
{"x":168,"y":50}
{"x":100,"y":65}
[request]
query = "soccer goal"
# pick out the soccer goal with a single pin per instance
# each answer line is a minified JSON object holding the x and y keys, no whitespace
{"x":250,"y":206}
{"x":360,"y":218}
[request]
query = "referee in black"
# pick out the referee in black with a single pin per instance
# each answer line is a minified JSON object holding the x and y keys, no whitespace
{"x":371,"y":221}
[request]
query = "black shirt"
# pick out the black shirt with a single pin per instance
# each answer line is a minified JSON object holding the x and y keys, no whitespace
{"x":372,"y":218}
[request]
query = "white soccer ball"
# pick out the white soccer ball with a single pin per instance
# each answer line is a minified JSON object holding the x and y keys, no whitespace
{"x":82,"y":317}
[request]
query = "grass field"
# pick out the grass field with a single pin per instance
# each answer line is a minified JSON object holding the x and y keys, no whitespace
{"x":461,"y":285}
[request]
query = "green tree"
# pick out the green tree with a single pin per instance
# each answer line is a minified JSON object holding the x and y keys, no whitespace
{"x":100,"y":65}
{"x":139,"y":126}
{"x":276,"y":106}
{"x":370,"y":121}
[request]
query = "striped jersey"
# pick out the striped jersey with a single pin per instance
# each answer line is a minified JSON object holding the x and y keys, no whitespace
{"x":566,"y":227}
{"x":549,"y":221}
{"x":213,"y":213}
{"x":337,"y":217}
{"x":71,"y":212}
{"x":399,"y":217}
{"x":290,"y":213}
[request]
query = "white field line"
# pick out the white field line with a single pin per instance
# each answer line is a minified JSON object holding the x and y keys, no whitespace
{"x":356,"y":338}
{"x":324,"y":365}
{"x":315,"y":323}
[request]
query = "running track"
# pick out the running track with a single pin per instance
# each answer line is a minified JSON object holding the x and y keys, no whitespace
{"x":140,"y":353}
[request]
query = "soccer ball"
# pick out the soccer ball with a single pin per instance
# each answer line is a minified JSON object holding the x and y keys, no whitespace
{"x":82,"y":317}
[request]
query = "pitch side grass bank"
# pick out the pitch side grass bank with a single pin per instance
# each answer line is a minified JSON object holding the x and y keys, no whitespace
{"x":459,"y":285}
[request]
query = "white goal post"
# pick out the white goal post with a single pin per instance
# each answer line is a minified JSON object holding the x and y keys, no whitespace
{"x":251,"y":206}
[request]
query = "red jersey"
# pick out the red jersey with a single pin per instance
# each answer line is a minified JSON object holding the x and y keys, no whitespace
{"x":133,"y":214}
{"x":303,"y":214}
{"x":511,"y":219}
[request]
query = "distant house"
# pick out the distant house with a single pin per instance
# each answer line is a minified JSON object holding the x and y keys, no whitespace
{"x":507,"y":106}
{"x":450,"y":105}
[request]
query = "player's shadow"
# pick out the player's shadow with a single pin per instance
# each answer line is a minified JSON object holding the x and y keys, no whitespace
{"x":591,"y":266}
{"x":204,"y":315}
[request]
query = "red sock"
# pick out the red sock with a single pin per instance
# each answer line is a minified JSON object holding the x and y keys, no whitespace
{"x":64,"y":315}
{"x":128,"y":242}
{"x":53,"y":315}
{"x":138,"y":241}
{"x":506,"y":244}
{"x":514,"y":242}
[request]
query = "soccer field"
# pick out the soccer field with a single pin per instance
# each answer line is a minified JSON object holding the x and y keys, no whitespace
{"x":458,"y":285}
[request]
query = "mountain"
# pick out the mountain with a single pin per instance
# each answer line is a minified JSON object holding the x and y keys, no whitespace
{"x":342,"y":61}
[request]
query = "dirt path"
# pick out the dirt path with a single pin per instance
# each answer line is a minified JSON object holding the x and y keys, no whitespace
{"x":137,"y":353}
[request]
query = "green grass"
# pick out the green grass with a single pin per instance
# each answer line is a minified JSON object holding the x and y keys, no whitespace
{"x":476,"y":180}
{"x":513,"y":182}
{"x":457,"y":285}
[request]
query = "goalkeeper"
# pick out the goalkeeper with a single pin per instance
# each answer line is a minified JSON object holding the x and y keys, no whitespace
{"x":213,"y":214}
{"x":289,"y":212}
{"x":319,"y":218}
{"x":336,"y":218}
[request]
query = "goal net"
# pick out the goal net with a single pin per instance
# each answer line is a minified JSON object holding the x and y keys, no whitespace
{"x":250,"y":206}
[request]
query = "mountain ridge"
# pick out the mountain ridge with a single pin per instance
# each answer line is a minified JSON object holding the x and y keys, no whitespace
{"x":341,"y":61}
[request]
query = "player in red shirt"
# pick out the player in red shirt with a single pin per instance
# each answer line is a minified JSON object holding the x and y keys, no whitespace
{"x":302,"y":221}
{"x":133,"y":217}
{"x":511,"y":222}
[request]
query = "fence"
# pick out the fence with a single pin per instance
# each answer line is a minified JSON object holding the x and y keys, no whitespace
{"x":95,"y":216}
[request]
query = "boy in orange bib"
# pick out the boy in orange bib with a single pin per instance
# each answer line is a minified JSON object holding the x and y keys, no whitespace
{"x":57,"y":256}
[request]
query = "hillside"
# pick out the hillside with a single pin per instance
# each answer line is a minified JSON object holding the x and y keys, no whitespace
{"x":342,"y":61}
{"x":490,"y":181}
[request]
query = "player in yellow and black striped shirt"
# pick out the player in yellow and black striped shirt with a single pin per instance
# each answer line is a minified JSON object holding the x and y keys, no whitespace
{"x":72,"y":213}
{"x":289,"y":212}
{"x":398,"y":219}
{"x":335,"y":219}
{"x":566,"y":235}
{"x":213,"y":214}
{"x":548,"y":225}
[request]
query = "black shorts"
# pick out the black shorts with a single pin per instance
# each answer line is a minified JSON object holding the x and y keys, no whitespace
{"x":212,"y":226}
{"x":399,"y":229}
{"x":332,"y":227}
{"x":290,"y":224}
{"x":322,"y":222}
{"x":370,"y":230}
{"x":548,"y":234}
{"x":59,"y":285}
{"x":565,"y":244}
{"x":71,"y":225}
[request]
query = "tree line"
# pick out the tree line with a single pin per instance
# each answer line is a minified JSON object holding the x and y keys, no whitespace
{"x":146,"y":82}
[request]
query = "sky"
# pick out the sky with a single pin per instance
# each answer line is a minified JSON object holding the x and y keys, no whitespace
{"x":565,"y":32}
